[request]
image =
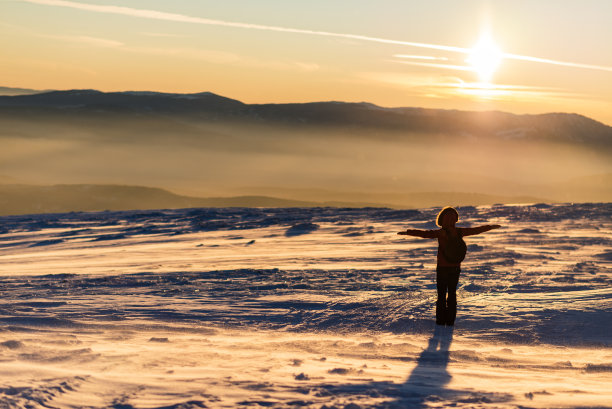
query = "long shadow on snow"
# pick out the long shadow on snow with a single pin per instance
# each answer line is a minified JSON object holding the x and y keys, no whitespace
{"x":425,"y":386}
{"x":430,"y":375}
{"x":425,"y":383}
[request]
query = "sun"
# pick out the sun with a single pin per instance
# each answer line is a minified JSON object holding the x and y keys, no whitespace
{"x":484,"y":58}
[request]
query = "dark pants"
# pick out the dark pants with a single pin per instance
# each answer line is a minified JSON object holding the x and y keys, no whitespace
{"x":446,"y":282}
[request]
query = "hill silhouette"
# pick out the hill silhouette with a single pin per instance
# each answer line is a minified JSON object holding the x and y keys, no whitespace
{"x":207,"y":106}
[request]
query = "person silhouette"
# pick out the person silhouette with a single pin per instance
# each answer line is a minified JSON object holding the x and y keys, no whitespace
{"x":448,"y":267}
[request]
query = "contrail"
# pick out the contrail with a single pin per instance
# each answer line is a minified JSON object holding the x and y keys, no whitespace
{"x":554,"y":62}
{"x":160,"y":15}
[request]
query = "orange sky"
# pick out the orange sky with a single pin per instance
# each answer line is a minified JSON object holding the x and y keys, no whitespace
{"x":532,"y":57}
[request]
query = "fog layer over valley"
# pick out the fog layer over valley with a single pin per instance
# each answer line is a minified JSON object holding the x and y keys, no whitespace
{"x":204,"y":145}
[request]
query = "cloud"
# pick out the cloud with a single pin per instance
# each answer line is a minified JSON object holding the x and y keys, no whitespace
{"x":304,"y":66}
{"x":182,"y":18}
{"x":420,"y":57}
{"x":162,"y":35}
{"x":430,"y":62}
{"x":436,"y":65}
{"x":47,"y":66}
{"x":160,"y":15}
{"x":222,"y":57}
{"x":430,"y":86}
{"x":95,"y":41}
{"x":413,"y":81}
{"x":213,"y":56}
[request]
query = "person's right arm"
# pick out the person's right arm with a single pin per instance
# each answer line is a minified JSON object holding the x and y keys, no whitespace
{"x":426,"y":234}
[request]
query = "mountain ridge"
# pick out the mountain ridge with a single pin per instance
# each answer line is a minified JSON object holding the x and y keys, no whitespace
{"x":347,"y":116}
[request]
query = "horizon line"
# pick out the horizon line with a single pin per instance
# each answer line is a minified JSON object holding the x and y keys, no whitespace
{"x":38,"y":92}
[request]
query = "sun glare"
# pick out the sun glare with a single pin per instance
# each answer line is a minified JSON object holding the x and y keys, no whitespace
{"x":485,"y":58}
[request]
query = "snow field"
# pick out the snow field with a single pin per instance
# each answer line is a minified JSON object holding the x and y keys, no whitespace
{"x":303,"y":308}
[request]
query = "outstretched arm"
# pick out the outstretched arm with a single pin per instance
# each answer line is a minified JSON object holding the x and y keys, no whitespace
{"x":471,"y":231}
{"x":426,"y":234}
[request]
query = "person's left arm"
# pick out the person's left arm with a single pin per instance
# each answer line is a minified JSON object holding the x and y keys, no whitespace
{"x":471,"y":231}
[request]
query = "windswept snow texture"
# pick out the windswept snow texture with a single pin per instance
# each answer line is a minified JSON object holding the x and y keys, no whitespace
{"x":316,"y":307}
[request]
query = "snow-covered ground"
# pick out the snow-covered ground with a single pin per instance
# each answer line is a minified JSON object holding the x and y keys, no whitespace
{"x":303,"y":308}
